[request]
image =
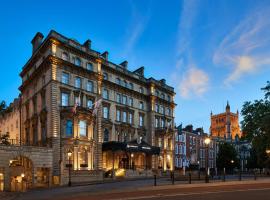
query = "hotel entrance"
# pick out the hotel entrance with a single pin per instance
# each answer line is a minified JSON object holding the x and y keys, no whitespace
{"x":128,"y":159}
{"x":1,"y":182}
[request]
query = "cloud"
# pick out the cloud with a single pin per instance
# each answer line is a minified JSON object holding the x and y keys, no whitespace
{"x":246,"y":48}
{"x":195,"y":82}
{"x":136,"y":27}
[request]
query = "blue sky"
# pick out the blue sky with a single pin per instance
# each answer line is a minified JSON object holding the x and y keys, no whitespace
{"x":209,"y":51}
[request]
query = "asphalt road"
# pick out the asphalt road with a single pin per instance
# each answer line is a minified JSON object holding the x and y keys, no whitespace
{"x":144,"y":189}
{"x":257,"y":191}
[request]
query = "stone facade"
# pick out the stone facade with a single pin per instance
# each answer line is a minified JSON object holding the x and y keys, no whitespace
{"x":60,"y":83}
{"x":225,"y":124}
{"x":10,"y":122}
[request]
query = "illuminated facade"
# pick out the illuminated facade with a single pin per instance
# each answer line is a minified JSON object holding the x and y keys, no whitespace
{"x":60,"y":83}
{"x":225,"y":125}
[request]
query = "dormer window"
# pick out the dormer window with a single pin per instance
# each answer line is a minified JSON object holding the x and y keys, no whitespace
{"x":77,"y":61}
{"x":105,"y":76}
{"x":118,"y":81}
{"x":65,"y":56}
{"x":89,"y":66}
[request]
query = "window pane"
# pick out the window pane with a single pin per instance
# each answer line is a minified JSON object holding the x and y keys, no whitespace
{"x":65,"y":99}
{"x":69,"y":128}
{"x":105,"y":94}
{"x":105,"y":76}
{"x":89,"y":103}
{"x":124,"y":99}
{"x":89,"y":66}
{"x":89,"y":86}
{"x":82,"y":128}
{"x":105,"y":112}
{"x":77,"y":61}
{"x":77,"y":82}
{"x":118,"y":115}
{"x":64,"y":56}
{"x":65,"y":78}
{"x":124,"y":116}
{"x":130,"y":102}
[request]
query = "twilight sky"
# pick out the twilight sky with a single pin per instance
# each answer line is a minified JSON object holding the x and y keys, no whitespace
{"x":209,"y":51}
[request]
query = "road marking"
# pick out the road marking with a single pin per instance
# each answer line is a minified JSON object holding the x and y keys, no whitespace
{"x":190,"y":194}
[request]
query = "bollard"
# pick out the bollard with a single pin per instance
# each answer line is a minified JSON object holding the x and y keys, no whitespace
{"x":199,"y":175}
{"x":155,"y":180}
{"x":240,"y":176}
{"x":224,"y":178}
{"x":189,"y":178}
{"x":255,"y":177}
{"x":172,"y":178}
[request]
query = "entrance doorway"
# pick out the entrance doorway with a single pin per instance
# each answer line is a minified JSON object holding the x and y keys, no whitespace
{"x":21,"y":169}
{"x":1,"y":182}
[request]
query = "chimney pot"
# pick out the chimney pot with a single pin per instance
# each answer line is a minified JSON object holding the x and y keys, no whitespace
{"x":36,"y":41}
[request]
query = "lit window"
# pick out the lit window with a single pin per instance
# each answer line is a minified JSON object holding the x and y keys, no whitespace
{"x":118,"y":115}
{"x":90,"y":86}
{"x":65,"y":78}
{"x":141,"y":105}
{"x":105,"y":112}
{"x":124,"y":116}
{"x":82,"y":128}
{"x":130,"y":101}
{"x":124,"y":100}
{"x":78,"y":61}
{"x":105,"y":94}
{"x":105,"y":76}
{"x":78,"y":82}
{"x":69,"y":128}
{"x":89,"y":103}
{"x":65,"y":99}
{"x":89,"y":66}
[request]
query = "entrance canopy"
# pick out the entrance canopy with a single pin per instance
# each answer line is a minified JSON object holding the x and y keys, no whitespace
{"x":132,"y":147}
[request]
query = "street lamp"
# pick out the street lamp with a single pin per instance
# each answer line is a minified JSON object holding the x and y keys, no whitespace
{"x":199,"y":172}
{"x":207,"y":142}
{"x":69,"y":167}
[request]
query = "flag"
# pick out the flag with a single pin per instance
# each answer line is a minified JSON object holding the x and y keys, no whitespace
{"x":97,"y":105}
{"x":76,"y":104}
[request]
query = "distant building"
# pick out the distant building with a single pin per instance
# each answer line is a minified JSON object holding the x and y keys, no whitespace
{"x":190,"y":148}
{"x":225,"y":124}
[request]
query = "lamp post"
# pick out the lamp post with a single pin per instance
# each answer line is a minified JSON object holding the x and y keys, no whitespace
{"x":199,"y":172}
{"x":232,"y":162}
{"x":69,"y":167}
{"x":207,"y":142}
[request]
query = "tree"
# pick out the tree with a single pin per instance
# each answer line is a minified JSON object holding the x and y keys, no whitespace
{"x":227,"y":157}
{"x":4,"y":139}
{"x":256,"y":126}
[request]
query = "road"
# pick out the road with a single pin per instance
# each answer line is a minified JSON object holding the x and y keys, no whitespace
{"x":141,"y":189}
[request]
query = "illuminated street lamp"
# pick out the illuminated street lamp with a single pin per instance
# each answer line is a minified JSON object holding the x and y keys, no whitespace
{"x":267,"y":151}
{"x":232,"y":161}
{"x":207,"y":142}
{"x":69,"y":167}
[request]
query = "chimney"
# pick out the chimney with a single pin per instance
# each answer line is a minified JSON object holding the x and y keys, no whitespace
{"x":105,"y":55}
{"x":124,"y":64}
{"x":163,"y":81}
{"x":87,"y":44}
{"x":36,"y":41}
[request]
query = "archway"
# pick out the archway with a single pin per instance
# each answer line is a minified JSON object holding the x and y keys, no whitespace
{"x":21,"y":170}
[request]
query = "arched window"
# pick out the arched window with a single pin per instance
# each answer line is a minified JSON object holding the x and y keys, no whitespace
{"x":118,"y":81}
{"x":78,"y":61}
{"x":65,"y":56}
{"x":105,"y":76}
{"x":106,"y":135}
